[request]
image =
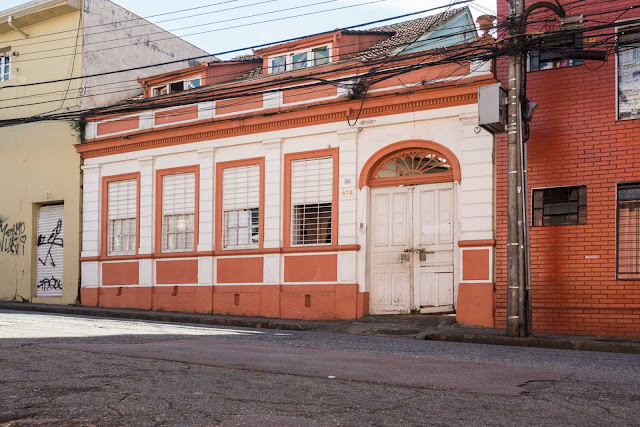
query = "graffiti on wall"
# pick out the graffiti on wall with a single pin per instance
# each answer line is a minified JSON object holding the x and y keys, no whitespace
{"x":13,"y":237}
{"x":50,"y":243}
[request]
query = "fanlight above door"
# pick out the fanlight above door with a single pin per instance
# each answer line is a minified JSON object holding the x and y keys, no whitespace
{"x":412,"y":167}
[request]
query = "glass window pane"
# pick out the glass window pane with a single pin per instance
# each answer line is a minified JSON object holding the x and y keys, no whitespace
{"x":299,"y":61}
{"x":279,"y":64}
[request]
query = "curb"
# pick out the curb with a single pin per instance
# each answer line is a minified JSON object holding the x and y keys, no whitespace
{"x":558,"y":342}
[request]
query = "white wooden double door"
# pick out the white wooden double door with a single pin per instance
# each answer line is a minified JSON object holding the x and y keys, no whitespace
{"x":412,"y":249}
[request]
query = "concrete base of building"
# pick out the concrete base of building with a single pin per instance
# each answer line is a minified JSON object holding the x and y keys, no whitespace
{"x":476,"y":304}
{"x":307,"y":302}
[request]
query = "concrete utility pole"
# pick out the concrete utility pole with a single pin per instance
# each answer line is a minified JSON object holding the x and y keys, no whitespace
{"x":517,"y":256}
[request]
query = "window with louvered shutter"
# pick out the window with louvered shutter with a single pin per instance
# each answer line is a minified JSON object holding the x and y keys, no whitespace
{"x":178,"y":212}
{"x":122,"y":204}
{"x":241,"y":207}
{"x":311,"y":201}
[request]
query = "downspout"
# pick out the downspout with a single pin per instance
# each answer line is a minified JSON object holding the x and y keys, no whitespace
{"x":10,"y":22}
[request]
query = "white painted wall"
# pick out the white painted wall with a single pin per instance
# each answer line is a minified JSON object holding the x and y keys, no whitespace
{"x":452,"y":127}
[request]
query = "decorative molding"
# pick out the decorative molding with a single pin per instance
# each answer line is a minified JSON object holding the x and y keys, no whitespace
{"x":105,"y":148}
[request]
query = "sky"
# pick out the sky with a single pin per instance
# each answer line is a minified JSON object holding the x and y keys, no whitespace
{"x":233,"y":24}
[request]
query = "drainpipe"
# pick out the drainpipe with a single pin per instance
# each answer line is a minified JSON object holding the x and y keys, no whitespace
{"x":10,"y":22}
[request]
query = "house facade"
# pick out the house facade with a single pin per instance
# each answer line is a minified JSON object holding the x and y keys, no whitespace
{"x":65,"y":41}
{"x":331,"y":177}
{"x":583,"y":181}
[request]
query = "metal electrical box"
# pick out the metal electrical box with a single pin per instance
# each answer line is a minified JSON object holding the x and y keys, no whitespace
{"x":492,"y":108}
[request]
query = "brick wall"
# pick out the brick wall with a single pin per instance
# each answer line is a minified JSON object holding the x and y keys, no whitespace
{"x":575,"y":140}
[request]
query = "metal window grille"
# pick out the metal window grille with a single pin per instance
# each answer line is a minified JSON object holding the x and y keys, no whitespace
{"x":560,"y":206}
{"x":628,"y":231}
{"x":240,"y":205}
{"x":311,"y":201}
{"x":178,"y":212}
{"x":628,"y":73}
{"x":121,"y":217}
{"x":5,"y":67}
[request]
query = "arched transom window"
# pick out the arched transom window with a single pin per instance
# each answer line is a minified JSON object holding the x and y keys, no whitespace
{"x":412,"y":167}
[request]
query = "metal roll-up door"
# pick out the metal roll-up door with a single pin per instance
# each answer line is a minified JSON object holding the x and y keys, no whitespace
{"x":50,"y":248}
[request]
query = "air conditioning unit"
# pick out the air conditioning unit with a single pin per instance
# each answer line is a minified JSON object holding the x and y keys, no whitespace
{"x":492,"y":108}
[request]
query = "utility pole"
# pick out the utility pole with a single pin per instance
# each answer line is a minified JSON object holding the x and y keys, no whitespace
{"x":517,"y":256}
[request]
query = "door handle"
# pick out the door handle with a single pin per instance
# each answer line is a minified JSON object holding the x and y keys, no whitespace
{"x":423,"y":253}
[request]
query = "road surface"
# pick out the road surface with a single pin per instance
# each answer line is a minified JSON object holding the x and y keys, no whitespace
{"x":66,"y":370}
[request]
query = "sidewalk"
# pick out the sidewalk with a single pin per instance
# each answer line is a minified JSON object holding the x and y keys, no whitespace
{"x":436,"y":328}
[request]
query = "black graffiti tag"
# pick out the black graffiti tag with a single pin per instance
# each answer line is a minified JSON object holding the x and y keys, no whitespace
{"x":12,"y":238}
{"x":49,"y":284}
{"x":52,"y":241}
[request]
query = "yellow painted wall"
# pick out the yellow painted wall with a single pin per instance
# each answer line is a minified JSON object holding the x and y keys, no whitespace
{"x":40,"y":157}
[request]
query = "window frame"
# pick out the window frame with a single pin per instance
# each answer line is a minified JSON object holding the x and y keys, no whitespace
{"x":567,"y":187}
{"x":185,"y":85}
{"x":617,"y":188}
{"x":5,"y":56}
{"x":287,"y":207}
{"x":104,"y":220}
{"x":220,"y":167}
{"x":160,"y":174}
{"x":617,"y":74}
{"x":310,"y":62}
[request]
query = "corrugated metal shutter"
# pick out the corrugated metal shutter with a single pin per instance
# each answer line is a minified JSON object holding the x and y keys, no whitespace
{"x":121,"y":213}
{"x":312,"y":181}
{"x":50,"y":251}
{"x":179,"y":194}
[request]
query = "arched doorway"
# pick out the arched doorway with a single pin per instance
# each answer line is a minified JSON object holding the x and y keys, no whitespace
{"x":412,"y":228}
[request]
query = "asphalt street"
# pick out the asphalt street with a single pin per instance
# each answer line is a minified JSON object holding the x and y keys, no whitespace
{"x":66,"y":370}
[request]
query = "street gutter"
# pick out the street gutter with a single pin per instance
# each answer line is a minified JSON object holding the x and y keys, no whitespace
{"x":434,"y":328}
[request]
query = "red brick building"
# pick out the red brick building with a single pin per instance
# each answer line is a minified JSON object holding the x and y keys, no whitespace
{"x":584,"y":181}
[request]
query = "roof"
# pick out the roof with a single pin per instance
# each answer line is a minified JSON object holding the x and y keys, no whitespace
{"x":400,"y":34}
{"x":35,"y":12}
{"x":407,"y":32}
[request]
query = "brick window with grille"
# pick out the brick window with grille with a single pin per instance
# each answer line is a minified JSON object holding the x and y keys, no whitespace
{"x":628,"y":231}
{"x":560,"y":206}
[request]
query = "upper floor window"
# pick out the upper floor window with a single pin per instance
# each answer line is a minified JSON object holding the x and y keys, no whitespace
{"x":5,"y":66}
{"x":296,"y":61}
{"x":174,"y":87}
{"x":279,"y":64}
{"x":178,"y":212}
{"x":629,"y":73}
{"x":299,"y":60}
{"x":553,"y":52}
{"x":320,"y":55}
{"x":560,"y":206}
{"x":122,"y":205}
{"x":311,"y":201}
{"x":241,"y":207}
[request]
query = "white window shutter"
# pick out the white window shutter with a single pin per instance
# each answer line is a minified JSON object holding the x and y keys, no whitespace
{"x":241,"y":187}
{"x":179,"y":194}
{"x":312,"y":181}
{"x":122,"y":199}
